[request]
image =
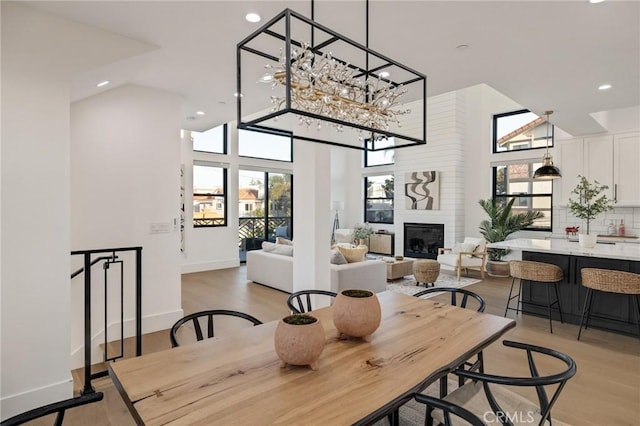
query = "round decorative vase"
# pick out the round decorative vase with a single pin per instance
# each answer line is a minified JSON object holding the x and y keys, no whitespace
{"x":362,"y":243}
{"x":356,"y":313}
{"x":587,"y":240}
{"x":497,"y":268}
{"x":299,"y":340}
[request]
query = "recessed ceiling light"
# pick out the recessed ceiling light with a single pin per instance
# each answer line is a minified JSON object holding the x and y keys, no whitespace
{"x":236,"y":95}
{"x":462,"y":46}
{"x":191,"y":118}
{"x":595,"y":1}
{"x":252,"y":17}
{"x":384,"y":74}
{"x":200,"y":112}
{"x":604,"y":87}
{"x":102,"y":83}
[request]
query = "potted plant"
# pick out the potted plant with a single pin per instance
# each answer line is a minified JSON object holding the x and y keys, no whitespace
{"x":299,"y":340}
{"x":361,"y":233}
{"x":502,"y":222}
{"x":591,"y":202}
{"x":356,"y":313}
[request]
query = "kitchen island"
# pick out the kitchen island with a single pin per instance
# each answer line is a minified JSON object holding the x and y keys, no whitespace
{"x":614,"y":312}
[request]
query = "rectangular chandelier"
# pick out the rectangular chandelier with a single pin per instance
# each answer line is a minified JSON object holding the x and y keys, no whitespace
{"x":298,"y":78}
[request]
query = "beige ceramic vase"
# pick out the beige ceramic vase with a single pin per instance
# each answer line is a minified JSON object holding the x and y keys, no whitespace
{"x":299,"y":340}
{"x":356,"y":313}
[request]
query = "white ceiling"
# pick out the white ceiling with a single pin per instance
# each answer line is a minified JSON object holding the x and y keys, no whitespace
{"x":542,"y":54}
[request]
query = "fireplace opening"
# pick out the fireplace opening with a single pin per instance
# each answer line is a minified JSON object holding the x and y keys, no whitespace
{"x":422,"y":240}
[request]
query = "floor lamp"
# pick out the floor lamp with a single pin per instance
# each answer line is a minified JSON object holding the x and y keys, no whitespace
{"x":337,"y":206}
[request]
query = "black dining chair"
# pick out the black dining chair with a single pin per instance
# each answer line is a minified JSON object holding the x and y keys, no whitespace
{"x":299,"y":302}
{"x":487,"y":395}
{"x":58,"y":408}
{"x":195,"y":319}
{"x":449,"y":408}
{"x":456,"y":293}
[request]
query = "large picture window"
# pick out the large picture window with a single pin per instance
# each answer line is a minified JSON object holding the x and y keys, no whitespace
{"x":209,"y":196}
{"x":378,"y":199}
{"x":380,"y":158}
{"x":265,"y":145}
{"x":516,"y":181}
{"x":520,"y":130}
{"x":213,"y":140}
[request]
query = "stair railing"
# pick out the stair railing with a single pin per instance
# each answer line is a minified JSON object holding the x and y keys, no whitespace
{"x":108,"y":260}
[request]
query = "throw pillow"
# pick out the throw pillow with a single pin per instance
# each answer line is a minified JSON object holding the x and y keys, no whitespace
{"x":353,"y":255}
{"x":283,"y":249}
{"x":479,"y":242}
{"x":348,"y":245}
{"x":336,"y":258}
{"x":281,"y":240}
{"x":464,"y":248}
{"x":268,"y":247}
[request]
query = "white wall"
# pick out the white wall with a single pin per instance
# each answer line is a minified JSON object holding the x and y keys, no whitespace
{"x":39,"y":54}
{"x":125,"y":163}
{"x":35,"y":240}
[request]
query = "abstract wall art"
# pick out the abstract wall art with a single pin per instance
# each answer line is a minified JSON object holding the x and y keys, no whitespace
{"x":422,"y":190}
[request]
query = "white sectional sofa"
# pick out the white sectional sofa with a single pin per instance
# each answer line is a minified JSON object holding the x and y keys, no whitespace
{"x":276,"y":270}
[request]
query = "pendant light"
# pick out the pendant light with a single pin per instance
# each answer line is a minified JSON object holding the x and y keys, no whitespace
{"x":548,"y":170}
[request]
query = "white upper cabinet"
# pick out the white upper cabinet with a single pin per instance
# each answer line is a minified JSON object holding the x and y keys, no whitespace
{"x":612,"y":160}
{"x":598,"y":161}
{"x":626,"y":169}
{"x":569,"y":159}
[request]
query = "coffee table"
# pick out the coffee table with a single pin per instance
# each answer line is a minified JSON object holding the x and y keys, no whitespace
{"x":399,"y":268}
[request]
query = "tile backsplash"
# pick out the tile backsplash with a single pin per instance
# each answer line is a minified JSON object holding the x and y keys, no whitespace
{"x":631,"y":216}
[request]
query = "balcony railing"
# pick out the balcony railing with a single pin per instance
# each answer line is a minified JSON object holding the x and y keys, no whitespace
{"x":208,"y":221}
{"x":254,"y":227}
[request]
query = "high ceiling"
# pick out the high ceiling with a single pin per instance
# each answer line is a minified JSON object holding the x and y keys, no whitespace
{"x":542,"y":54}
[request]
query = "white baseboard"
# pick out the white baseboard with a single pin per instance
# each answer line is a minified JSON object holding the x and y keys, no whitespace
{"x":150,"y":323}
{"x":11,"y":405}
{"x":210,"y":265}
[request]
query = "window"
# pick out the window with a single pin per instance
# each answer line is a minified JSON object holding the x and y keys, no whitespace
{"x":265,"y":145}
{"x":209,"y":196}
{"x":516,"y":181}
{"x":379,"y":158}
{"x":520,"y":130}
{"x":213,"y":140}
{"x":379,"y":199}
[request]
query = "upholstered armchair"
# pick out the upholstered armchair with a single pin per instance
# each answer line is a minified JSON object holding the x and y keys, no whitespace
{"x":470,"y":254}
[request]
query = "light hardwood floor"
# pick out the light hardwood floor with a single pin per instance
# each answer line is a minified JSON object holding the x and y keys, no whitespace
{"x":605,"y":390}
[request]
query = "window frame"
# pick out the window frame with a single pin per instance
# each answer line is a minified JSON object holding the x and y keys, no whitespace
{"x":367,"y":199}
{"x":224,"y":195}
{"x":225,"y":141}
{"x":494,"y":141}
{"x":507,"y":195}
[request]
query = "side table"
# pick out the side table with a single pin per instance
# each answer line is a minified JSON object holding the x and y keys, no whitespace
{"x":399,"y":268}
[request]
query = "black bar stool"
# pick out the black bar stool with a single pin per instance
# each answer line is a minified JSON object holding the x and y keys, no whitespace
{"x":535,"y":272}
{"x":609,"y":281}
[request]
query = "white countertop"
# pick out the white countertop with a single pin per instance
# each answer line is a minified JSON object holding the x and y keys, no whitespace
{"x":632,"y":239}
{"x":624,"y":251}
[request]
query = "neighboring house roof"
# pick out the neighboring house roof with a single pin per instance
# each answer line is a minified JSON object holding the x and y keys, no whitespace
{"x":535,"y":123}
{"x":247,"y":194}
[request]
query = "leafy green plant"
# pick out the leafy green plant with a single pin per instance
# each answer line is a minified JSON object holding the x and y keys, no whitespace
{"x":362,"y":231}
{"x":502,"y":223}
{"x":591,"y":201}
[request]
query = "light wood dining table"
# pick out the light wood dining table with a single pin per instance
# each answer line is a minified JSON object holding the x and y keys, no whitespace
{"x":237,"y":379}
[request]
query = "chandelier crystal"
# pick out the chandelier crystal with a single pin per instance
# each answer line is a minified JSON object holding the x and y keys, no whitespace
{"x":325,"y":86}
